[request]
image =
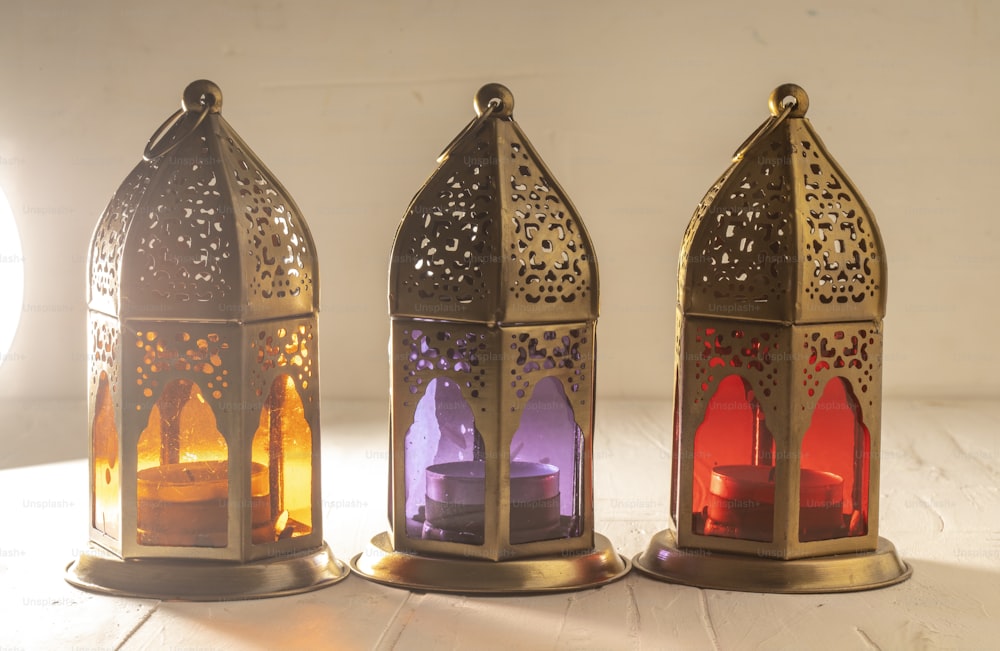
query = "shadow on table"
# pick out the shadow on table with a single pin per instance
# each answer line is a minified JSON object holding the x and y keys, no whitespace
{"x":957,"y":601}
{"x":960,"y":578}
{"x":357,"y":614}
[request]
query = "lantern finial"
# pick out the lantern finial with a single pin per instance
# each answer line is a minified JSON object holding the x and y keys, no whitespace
{"x":497,"y":95}
{"x":787,"y":95}
{"x":202,"y":95}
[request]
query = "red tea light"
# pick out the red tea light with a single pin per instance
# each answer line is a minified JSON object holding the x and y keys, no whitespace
{"x":741,"y":503}
{"x":187,"y":504}
{"x":456,"y":494}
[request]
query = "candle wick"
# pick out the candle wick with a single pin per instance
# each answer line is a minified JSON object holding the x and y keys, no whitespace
{"x":190,"y":475}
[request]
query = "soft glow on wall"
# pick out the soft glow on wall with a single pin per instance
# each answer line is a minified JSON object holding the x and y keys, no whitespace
{"x":11,"y":277}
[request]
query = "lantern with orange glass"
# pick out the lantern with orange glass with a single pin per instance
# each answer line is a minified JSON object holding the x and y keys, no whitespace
{"x":777,"y":408}
{"x":204,"y":403}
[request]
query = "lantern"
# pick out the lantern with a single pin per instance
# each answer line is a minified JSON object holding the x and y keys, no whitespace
{"x":778,"y":376}
{"x":493,"y":294}
{"x":204,"y":396}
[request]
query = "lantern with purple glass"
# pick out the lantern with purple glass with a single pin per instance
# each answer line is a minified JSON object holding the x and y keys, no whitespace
{"x":493,"y":295}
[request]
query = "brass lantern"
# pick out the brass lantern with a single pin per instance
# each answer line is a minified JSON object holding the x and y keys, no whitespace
{"x":493,"y":294}
{"x":204,"y":397}
{"x":778,"y":391}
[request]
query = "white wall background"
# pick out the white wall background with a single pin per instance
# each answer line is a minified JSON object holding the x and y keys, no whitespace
{"x":636,"y":106}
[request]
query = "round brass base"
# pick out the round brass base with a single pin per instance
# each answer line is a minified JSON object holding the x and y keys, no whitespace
{"x":199,"y":580}
{"x":664,"y":560}
{"x":554,"y":573}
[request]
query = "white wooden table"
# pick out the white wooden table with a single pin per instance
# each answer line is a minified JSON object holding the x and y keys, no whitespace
{"x":940,"y":505}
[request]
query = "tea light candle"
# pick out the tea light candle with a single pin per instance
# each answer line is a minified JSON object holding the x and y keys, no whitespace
{"x":187,"y":504}
{"x":741,"y":502}
{"x":456,"y":495}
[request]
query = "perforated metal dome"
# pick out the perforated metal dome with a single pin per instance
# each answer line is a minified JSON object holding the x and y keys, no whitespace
{"x":202,"y":231}
{"x":491,"y":237}
{"x":784,"y":235}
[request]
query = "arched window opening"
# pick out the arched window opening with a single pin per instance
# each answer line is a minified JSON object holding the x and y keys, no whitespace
{"x":445,"y":468}
{"x":546,"y":459}
{"x":106,"y":511}
{"x":733,"y":480}
{"x":281,"y":472}
{"x":183,"y":472}
{"x":836,"y":456}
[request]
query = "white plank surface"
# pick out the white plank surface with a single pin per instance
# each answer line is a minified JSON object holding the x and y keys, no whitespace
{"x":940,"y":505}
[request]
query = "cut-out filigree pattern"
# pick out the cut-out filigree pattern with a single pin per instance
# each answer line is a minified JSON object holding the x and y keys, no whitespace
{"x":446,"y":241}
{"x":207,"y":356}
{"x":784,"y":223}
{"x":745,"y":351}
{"x":207,"y":230}
{"x":103,"y":352}
{"x":842,"y":254}
{"x":768,"y":357}
{"x":278,"y":239}
{"x":285,"y":348}
{"x":436,"y":350}
{"x":563,"y":348}
{"x":178,"y":247}
{"x":547,"y":249}
{"x":741,"y":240}
{"x":492,"y":237}
{"x":109,"y":239}
{"x":851,"y":353}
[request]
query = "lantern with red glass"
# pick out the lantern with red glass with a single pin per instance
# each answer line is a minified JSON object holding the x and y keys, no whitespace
{"x":775,"y":471}
{"x":493,"y":291}
{"x":204,"y":394}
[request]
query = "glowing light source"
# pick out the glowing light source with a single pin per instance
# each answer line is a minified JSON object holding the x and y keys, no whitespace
{"x":11,"y":277}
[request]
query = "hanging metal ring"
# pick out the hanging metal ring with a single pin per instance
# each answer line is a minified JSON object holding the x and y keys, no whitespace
{"x":202,"y":95}
{"x":769,"y":125}
{"x":472,"y":127}
{"x":781,"y":108}
{"x":155,"y":140}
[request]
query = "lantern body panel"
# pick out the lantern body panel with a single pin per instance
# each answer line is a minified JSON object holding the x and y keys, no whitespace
{"x":477,"y":481}
{"x":173,"y":418}
{"x":549,"y":386}
{"x":204,"y":362}
{"x":443,"y":379}
{"x":105,"y":418}
{"x":741,"y":412}
{"x":283,"y":424}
